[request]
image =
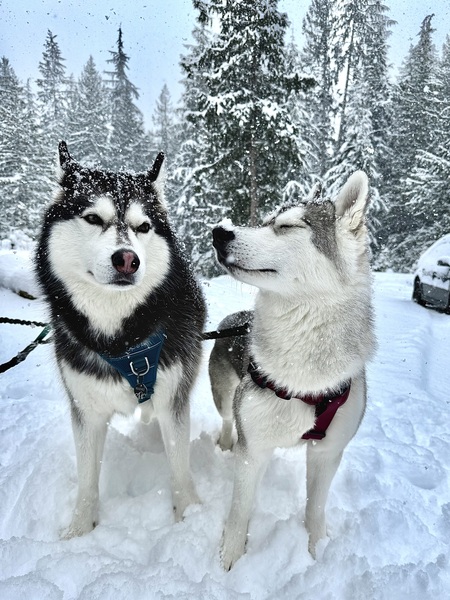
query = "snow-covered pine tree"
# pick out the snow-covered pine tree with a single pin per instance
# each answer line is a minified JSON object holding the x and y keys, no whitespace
{"x":248,"y":147}
{"x":126,"y":145}
{"x":298,"y":106}
{"x":11,"y":145}
{"x":189,"y":178}
{"x":88,"y":118}
{"x":255,"y":141}
{"x":52,"y":101}
{"x":357,"y":150}
{"x":52,"y":93}
{"x":317,"y":55}
{"x":427,"y":187}
{"x":416,"y":129}
{"x":165,"y":131}
{"x":38,"y":183}
{"x":166,"y":137}
{"x":20,"y":187}
{"x":360,"y":33}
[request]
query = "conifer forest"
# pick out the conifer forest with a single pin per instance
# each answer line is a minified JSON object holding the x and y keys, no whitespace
{"x":259,"y":121}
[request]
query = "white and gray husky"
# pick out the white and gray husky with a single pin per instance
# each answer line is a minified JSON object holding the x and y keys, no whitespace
{"x":300,"y":377}
{"x":127,"y":317}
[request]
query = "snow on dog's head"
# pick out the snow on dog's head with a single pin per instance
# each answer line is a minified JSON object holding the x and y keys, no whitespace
{"x":108,"y":229}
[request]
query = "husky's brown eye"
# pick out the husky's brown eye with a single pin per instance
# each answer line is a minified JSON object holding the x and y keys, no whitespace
{"x":144,"y":228}
{"x":93,"y":219}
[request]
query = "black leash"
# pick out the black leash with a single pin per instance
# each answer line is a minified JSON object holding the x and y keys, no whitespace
{"x":230,"y":332}
{"x":26,"y":351}
{"x":22,"y":322}
{"x":208,"y":335}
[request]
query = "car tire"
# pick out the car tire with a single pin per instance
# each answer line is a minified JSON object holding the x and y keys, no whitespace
{"x":447,"y":308}
{"x":417,"y":292}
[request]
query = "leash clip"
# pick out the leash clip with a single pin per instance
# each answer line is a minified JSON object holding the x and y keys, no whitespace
{"x":140,"y":389}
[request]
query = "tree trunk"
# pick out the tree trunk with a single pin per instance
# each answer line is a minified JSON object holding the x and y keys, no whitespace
{"x":254,"y":201}
{"x":347,"y":82}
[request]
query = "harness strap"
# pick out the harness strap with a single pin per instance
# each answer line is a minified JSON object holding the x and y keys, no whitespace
{"x":326,"y":404}
{"x":139,"y":365}
{"x":325,"y":411}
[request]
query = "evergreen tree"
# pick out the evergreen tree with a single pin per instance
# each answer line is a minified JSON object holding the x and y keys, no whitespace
{"x":416,"y":131}
{"x":357,"y":150}
{"x":52,"y":86}
{"x":298,"y":106}
{"x":166,"y":137}
{"x":248,"y":147}
{"x":346,"y":49}
{"x":427,"y":187}
{"x":11,"y":144}
{"x":415,"y":102}
{"x":188,"y":179}
{"x":52,"y":102}
{"x":38,"y":183}
{"x":126,"y":146}
{"x":88,"y":118}
{"x":164,"y":120}
{"x":358,"y":35}
{"x":20,"y":196}
{"x":318,"y":29}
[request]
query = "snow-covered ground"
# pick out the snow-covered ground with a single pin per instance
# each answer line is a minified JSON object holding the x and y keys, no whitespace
{"x":388,"y":509}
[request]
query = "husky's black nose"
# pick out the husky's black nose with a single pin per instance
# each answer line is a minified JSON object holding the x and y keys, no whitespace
{"x":221,"y":237}
{"x":125,"y":261}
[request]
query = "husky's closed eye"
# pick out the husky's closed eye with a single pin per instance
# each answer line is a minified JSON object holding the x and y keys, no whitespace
{"x":297,"y":225}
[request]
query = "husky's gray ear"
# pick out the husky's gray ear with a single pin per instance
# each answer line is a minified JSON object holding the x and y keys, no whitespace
{"x":352,"y":200}
{"x":157,"y":175}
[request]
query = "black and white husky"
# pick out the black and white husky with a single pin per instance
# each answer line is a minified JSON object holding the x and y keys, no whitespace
{"x":127,"y":317}
{"x":301,"y":374}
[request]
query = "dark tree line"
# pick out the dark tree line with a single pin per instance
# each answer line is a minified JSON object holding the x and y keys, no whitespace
{"x":260,"y":120}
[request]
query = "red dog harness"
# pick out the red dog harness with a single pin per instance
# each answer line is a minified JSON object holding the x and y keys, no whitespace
{"x":326,"y":405}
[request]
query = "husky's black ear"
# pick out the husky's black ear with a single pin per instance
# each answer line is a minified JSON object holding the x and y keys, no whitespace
{"x":352,"y":200}
{"x":154,"y":171}
{"x":65,"y":160}
{"x":157,"y":176}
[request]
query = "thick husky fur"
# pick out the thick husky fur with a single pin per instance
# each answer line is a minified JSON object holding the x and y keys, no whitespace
{"x":312,"y":330}
{"x":113,"y":273}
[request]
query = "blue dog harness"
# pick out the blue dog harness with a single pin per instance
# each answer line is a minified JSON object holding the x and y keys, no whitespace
{"x":139,"y":365}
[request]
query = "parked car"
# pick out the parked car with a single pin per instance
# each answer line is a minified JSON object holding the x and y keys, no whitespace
{"x":432,"y":276}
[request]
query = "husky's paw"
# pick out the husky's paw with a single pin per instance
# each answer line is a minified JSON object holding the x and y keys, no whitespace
{"x":312,"y":547}
{"x":316,"y":540}
{"x":181,"y":501}
{"x":225,"y":444}
{"x":225,"y":440}
{"x":232,"y":548}
{"x":77,"y":529}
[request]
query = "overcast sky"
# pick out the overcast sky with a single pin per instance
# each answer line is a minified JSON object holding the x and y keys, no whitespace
{"x":154,"y":34}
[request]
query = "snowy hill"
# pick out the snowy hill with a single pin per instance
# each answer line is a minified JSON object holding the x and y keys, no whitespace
{"x":388,"y":509}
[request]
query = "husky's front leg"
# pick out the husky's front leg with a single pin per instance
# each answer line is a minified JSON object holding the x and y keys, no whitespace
{"x":175,"y":430}
{"x":89,"y":434}
{"x":249,"y":467}
{"x":321,"y":467}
